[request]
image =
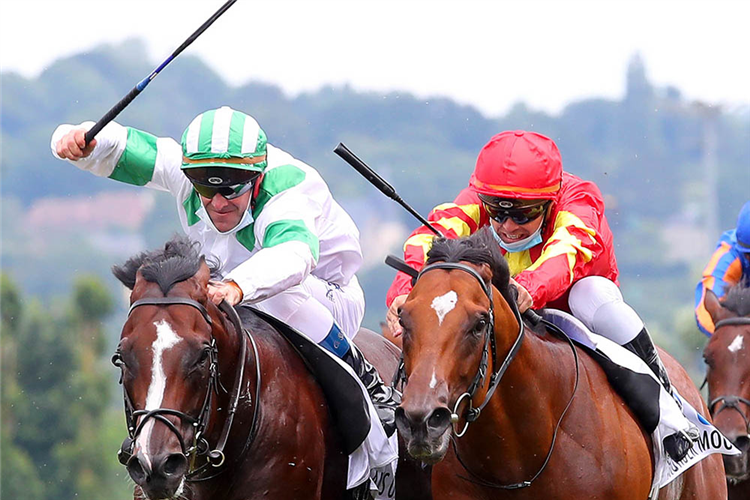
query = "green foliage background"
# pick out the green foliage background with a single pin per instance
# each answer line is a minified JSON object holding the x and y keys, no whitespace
{"x":61,"y":309}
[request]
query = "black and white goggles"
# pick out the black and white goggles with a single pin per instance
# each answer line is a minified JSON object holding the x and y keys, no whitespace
{"x":228,"y":182}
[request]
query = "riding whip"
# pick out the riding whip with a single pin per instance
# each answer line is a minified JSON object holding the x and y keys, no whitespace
{"x":117,"y":108}
{"x":385,"y":188}
{"x":380,"y":183}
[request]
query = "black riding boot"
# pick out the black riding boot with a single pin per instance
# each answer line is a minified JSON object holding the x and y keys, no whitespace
{"x":644,"y":347}
{"x":385,"y":399}
{"x":678,"y":444}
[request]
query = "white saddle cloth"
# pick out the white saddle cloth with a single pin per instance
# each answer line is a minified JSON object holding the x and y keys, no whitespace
{"x":672,"y":417}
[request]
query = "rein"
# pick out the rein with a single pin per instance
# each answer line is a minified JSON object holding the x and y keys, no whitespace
{"x":472,"y":414}
{"x":214,"y":457}
{"x":732,"y":402}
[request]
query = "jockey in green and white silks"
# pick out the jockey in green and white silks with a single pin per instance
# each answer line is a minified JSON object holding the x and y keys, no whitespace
{"x":302,"y":243}
{"x":284,"y":244}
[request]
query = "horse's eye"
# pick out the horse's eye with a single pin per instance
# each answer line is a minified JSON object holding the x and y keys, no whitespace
{"x":204,"y":355}
{"x":480,"y":326}
{"x":708,"y":361}
{"x":117,"y":360}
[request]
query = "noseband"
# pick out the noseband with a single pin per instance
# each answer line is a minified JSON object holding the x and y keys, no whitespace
{"x":732,"y":402}
{"x":200,"y":446}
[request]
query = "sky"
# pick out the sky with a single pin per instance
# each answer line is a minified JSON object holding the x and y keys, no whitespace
{"x":489,"y":54}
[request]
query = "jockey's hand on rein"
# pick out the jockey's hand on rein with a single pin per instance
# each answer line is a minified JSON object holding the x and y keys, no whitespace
{"x":524,"y":300}
{"x":392,"y":316}
{"x":224,"y":290}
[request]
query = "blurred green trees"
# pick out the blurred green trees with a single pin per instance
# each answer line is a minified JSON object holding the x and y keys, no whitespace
{"x":57,"y":415}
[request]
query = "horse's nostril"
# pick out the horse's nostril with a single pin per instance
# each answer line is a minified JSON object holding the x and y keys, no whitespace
{"x":136,"y":471}
{"x":742,"y":443}
{"x":400,"y":413}
{"x":175,"y":464}
{"x":439,"y":418}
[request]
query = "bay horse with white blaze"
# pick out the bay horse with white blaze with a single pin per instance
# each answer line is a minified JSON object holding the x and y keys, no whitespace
{"x":727,"y":355}
{"x":215,"y":412}
{"x":504,"y":412}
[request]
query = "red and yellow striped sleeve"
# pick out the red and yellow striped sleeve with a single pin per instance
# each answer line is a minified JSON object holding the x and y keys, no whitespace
{"x":580,"y":245}
{"x":461,"y":218}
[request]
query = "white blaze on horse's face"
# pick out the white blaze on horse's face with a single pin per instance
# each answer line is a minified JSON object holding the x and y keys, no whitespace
{"x":737,"y":344}
{"x":165,"y":338}
{"x":444,"y":304}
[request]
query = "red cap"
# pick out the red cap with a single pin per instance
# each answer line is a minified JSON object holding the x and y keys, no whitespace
{"x":520,"y":165}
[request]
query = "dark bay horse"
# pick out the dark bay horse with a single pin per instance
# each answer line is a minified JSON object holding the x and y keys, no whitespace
{"x":215,"y":413}
{"x":727,"y":355}
{"x":550,"y":426}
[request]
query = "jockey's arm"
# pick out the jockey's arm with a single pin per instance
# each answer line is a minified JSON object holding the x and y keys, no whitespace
{"x":289,"y":246}
{"x":123,"y":154}
{"x":458,"y":219}
{"x":723,"y":270}
{"x":273,"y":270}
{"x":569,"y":253}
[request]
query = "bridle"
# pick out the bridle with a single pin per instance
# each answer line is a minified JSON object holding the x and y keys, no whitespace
{"x":731,"y":401}
{"x":490,"y":344}
{"x":214,"y":457}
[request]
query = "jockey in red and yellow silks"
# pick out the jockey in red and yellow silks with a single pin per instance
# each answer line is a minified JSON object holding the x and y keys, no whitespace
{"x":729,"y":264}
{"x":576,"y":242}
{"x":555,"y":237}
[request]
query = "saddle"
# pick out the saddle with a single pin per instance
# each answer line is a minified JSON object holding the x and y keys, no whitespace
{"x":346,"y":402}
{"x":639,"y":390}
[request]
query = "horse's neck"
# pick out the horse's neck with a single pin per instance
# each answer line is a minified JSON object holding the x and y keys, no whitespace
{"x":531,"y":395}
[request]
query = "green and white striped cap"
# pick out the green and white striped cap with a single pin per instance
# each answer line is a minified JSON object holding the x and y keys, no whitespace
{"x":225,"y":136}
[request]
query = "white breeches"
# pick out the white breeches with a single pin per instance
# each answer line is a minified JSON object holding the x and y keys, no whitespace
{"x":598,"y":303}
{"x":312,"y":307}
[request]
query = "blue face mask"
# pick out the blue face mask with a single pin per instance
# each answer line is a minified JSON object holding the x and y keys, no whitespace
{"x":519,"y":246}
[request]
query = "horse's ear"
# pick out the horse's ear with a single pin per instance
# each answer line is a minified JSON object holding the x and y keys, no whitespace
{"x":713,"y":306}
{"x":485,"y":271}
{"x":204,"y":273}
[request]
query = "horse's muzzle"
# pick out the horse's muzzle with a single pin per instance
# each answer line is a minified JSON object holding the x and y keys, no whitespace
{"x":425,"y":432}
{"x":737,"y":467}
{"x":159,"y":476}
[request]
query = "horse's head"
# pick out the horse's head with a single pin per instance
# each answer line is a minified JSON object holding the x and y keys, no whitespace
{"x":450,"y":321}
{"x":168,"y":354}
{"x":727,"y":355}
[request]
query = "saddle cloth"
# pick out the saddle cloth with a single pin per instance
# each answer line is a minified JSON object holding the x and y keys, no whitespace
{"x":371,"y":453}
{"x":659,"y":413}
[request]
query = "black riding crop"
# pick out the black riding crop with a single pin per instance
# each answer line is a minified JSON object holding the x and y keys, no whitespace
{"x":117,"y":108}
{"x":379,"y":183}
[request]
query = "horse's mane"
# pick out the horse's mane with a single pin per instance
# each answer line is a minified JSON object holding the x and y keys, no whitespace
{"x":479,"y":248}
{"x":737,"y":299}
{"x":178,"y":261}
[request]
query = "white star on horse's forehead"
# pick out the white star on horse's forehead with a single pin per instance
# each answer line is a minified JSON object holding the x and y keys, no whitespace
{"x":737,"y":344}
{"x":444,"y":304}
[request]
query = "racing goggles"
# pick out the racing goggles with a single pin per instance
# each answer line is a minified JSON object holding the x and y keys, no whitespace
{"x":228,"y":192}
{"x":228,"y":182}
{"x":519,"y":215}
